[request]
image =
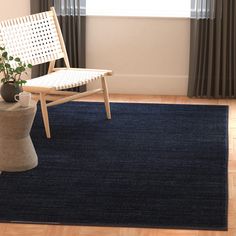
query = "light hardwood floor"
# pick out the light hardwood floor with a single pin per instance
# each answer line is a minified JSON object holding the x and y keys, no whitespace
{"x":50,"y":230}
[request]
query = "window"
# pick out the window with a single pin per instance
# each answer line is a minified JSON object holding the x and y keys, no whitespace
{"x":152,"y":8}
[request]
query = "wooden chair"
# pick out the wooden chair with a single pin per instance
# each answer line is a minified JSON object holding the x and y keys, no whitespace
{"x":38,"y":39}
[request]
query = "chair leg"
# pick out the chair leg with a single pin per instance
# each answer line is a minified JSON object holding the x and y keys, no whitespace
{"x":106,"y":97}
{"x":45,"y":114}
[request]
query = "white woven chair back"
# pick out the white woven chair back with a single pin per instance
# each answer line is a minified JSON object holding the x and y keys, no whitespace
{"x":34,"y":39}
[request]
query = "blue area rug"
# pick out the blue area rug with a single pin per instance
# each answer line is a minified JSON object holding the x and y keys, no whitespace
{"x":150,"y":166}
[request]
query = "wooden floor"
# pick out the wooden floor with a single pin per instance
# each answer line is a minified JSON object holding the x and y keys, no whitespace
{"x":46,"y":230}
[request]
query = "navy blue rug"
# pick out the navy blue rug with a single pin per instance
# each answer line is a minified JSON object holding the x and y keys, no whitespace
{"x":150,"y":166}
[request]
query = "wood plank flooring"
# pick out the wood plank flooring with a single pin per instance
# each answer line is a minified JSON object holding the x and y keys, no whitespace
{"x":55,"y":230}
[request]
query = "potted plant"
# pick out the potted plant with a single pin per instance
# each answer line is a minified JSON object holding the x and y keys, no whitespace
{"x":12,"y":69}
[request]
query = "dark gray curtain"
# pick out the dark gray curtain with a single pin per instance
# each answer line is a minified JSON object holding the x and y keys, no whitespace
{"x":212,"y":71}
{"x":40,"y":5}
{"x":71,"y":17}
{"x":72,"y":21}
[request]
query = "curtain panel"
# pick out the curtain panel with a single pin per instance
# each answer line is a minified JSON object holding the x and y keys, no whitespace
{"x":212,"y":70}
{"x":72,"y":23}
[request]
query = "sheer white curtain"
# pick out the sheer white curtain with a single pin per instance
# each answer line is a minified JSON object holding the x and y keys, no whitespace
{"x":70,"y":7}
{"x":201,"y":9}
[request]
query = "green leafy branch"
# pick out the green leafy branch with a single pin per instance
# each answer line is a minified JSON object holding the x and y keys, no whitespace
{"x":12,"y":73}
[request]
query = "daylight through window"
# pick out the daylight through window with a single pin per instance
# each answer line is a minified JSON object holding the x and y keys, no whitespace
{"x":152,"y":8}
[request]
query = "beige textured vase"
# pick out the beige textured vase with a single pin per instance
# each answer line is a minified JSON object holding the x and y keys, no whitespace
{"x":17,"y":152}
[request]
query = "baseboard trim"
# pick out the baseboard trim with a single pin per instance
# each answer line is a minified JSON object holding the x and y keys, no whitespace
{"x":147,"y":84}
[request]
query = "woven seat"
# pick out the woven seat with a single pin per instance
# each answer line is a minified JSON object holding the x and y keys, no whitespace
{"x":37,"y":39}
{"x":64,"y":79}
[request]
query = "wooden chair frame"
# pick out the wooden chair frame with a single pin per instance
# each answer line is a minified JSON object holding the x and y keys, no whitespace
{"x":44,"y":92}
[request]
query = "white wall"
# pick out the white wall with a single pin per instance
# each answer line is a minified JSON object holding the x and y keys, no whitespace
{"x":147,"y":55}
{"x":14,"y":8}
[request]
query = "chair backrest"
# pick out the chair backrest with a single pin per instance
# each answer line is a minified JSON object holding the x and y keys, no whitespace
{"x":35,"y":39}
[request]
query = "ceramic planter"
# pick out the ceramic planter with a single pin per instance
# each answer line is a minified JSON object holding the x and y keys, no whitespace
{"x":9,"y":90}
